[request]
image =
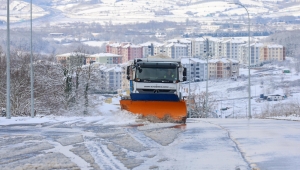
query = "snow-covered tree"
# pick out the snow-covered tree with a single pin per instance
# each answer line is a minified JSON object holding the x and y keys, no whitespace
{"x":199,"y":107}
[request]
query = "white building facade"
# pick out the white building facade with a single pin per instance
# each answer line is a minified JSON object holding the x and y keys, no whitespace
{"x":196,"y":69}
{"x":176,"y":51}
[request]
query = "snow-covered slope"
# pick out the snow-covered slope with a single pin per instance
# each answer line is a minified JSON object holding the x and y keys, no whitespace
{"x":20,"y":11}
{"x":129,"y":11}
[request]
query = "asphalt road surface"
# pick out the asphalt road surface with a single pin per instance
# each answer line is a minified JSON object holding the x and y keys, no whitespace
{"x":200,"y":144}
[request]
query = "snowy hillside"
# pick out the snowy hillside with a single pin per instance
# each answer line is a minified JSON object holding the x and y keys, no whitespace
{"x":234,"y":95}
{"x":20,"y":11}
{"x":127,"y":11}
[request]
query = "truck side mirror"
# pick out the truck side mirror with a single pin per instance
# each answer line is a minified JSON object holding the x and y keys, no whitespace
{"x":184,"y":72}
{"x":128,"y":70}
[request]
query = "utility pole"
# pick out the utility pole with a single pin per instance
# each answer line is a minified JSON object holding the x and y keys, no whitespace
{"x":190,"y":88}
{"x":207,"y":56}
{"x":31,"y":64}
{"x":233,"y":109}
{"x":249,"y":60}
{"x":8,"y":116}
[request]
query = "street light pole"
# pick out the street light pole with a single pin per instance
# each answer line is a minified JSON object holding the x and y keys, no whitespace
{"x":8,"y":116}
{"x":249,"y":61}
{"x":207,"y":55}
{"x":31,"y":64}
{"x":190,"y":87}
{"x":207,"y":75}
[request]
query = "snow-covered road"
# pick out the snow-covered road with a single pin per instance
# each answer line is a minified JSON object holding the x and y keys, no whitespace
{"x":89,"y":143}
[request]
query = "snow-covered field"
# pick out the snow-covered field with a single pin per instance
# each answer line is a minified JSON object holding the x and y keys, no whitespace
{"x":234,"y":94}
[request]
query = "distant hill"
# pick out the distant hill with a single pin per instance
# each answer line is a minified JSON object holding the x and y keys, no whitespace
{"x":132,"y":11}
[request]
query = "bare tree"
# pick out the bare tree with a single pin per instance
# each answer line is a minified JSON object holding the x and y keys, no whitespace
{"x":202,"y":108}
{"x":281,"y":109}
{"x":2,"y":78}
{"x":49,"y":87}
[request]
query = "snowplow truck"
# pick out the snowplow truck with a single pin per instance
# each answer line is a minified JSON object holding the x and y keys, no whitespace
{"x":155,"y":89}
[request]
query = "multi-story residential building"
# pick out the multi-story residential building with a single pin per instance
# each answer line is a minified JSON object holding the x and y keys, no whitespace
{"x":115,"y":48}
{"x":131,"y":52}
{"x":198,"y":47}
{"x":104,"y":58}
{"x":223,"y":68}
{"x":125,"y":81}
{"x":201,"y":47}
{"x":215,"y":49}
{"x":175,"y":50}
{"x":230,"y":47}
{"x":260,"y":53}
{"x":147,"y":49}
{"x":188,"y":43}
{"x":234,"y":68}
{"x":243,"y":54}
{"x":111,"y":77}
{"x":127,"y":50}
{"x":151,"y":49}
{"x":196,"y":68}
{"x":183,"y":41}
{"x":72,"y":59}
{"x":256,"y":52}
{"x":273,"y":52}
{"x":159,"y":49}
{"x":217,"y":68}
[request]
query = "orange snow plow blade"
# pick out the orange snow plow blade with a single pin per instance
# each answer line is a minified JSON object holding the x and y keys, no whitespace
{"x":176,"y":110}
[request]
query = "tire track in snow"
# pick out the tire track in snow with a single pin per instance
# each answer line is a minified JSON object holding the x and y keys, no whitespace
{"x":65,"y":150}
{"x":103,"y":157}
{"x":142,"y":138}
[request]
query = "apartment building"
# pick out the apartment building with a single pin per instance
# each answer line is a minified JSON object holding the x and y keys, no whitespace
{"x":115,"y":48}
{"x":151,"y":49}
{"x":234,"y":70}
{"x":72,"y":59}
{"x":273,"y":52}
{"x":104,"y":58}
{"x":217,"y":68}
{"x":243,"y":54}
{"x":176,"y":51}
{"x":127,"y":50}
{"x":111,"y":77}
{"x":183,"y":41}
{"x":198,"y":47}
{"x":131,"y":52}
{"x":256,"y":53}
{"x":260,"y":53}
{"x":201,"y":48}
{"x":230,"y":47}
{"x":159,"y":48}
{"x":196,"y":68}
{"x":215,"y":49}
{"x":223,"y":68}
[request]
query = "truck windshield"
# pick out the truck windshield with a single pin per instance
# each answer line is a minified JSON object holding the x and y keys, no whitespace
{"x":157,"y":75}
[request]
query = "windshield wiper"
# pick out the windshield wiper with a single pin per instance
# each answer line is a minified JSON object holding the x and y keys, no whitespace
{"x":164,"y":80}
{"x":146,"y":80}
